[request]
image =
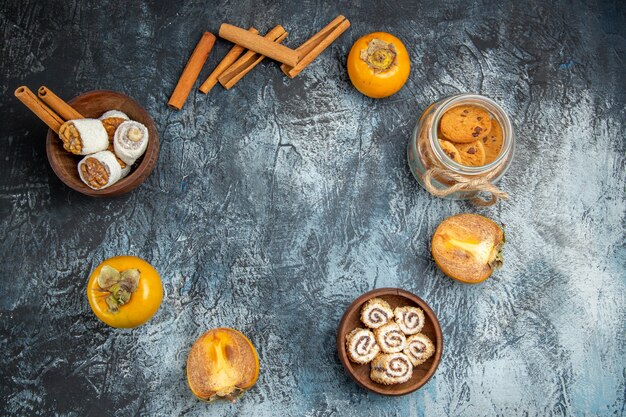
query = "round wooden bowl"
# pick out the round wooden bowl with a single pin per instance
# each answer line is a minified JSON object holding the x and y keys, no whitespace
{"x":93,"y":104}
{"x":361,"y":373}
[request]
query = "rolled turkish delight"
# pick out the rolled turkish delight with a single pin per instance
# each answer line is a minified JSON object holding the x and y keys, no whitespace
{"x":114,"y":114}
{"x":125,"y":168}
{"x":390,"y":338}
{"x":100,"y":170}
{"x":84,"y":136}
{"x":361,"y":346}
{"x":393,"y":368}
{"x":410,"y":319}
{"x":111,"y":120}
{"x":130,"y":141}
{"x":419,"y":348}
{"x":376,"y":313}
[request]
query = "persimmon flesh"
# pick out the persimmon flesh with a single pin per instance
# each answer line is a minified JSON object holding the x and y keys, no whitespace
{"x":468,"y":247}
{"x":222,"y":363}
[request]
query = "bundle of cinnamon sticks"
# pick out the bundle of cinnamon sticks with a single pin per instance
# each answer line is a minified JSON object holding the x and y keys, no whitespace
{"x":49,"y":107}
{"x":249,"y":50}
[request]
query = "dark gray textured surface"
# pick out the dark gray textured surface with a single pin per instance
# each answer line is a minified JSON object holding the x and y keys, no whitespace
{"x":276,"y":203}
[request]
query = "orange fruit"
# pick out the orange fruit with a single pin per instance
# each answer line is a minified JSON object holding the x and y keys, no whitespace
{"x":468,"y":247}
{"x":222,"y":363}
{"x":378,"y":64}
{"x":144,"y":301}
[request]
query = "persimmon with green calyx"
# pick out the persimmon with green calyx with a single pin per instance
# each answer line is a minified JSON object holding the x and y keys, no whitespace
{"x":468,"y":247}
{"x":222,"y":363}
{"x":124,"y":291}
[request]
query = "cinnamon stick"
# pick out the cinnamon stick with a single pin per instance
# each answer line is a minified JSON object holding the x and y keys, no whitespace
{"x":63,"y":109}
{"x":316,"y":45}
{"x":259,"y":44}
{"x":191,"y":71}
{"x":249,"y":60}
{"x":226,"y":62}
{"x":45,"y":113}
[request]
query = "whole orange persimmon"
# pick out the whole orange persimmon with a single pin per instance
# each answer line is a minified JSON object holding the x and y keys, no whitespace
{"x":378,"y":65}
{"x":124,"y":291}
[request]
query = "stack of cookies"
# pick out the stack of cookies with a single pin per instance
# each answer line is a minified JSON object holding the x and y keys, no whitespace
{"x":470,"y":136}
{"x":391,"y":341}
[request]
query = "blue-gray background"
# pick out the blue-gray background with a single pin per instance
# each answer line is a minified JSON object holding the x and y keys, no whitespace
{"x":275,"y":204}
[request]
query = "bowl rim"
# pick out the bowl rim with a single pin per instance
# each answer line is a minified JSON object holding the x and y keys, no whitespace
{"x":135,"y":178}
{"x":342,"y":331}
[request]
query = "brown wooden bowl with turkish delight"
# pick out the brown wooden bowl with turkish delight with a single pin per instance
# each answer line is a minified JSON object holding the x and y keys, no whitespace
{"x":389,"y":341}
{"x":110,"y":152}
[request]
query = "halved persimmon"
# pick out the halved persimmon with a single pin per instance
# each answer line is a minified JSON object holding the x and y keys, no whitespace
{"x":468,"y":247}
{"x":222,"y":363}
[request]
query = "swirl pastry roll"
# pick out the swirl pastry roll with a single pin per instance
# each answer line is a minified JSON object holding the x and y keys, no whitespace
{"x":130,"y":141}
{"x":84,"y":136}
{"x":361,"y":345}
{"x":111,"y":121}
{"x":419,"y":348}
{"x":376,"y":313}
{"x":390,"y":338}
{"x":410,"y":319}
{"x":392,"y":368}
{"x":100,"y":170}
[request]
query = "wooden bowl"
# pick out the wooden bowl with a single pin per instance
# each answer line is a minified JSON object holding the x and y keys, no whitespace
{"x":93,"y":104}
{"x":361,"y":373}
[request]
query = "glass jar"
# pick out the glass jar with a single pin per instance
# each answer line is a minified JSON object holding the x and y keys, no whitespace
{"x":425,"y":152}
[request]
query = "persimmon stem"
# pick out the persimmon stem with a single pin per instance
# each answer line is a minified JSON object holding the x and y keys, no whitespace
{"x":379,"y":55}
